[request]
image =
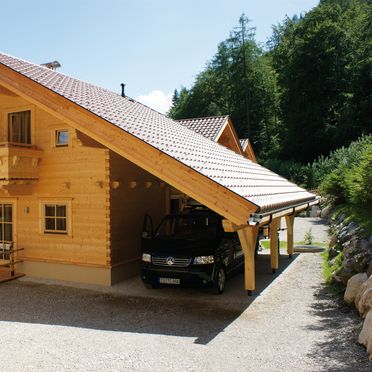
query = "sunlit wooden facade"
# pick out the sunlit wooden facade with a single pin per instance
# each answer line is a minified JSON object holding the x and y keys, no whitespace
{"x":80,"y":166}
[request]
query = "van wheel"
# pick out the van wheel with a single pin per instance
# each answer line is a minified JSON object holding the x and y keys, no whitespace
{"x":220,"y":280}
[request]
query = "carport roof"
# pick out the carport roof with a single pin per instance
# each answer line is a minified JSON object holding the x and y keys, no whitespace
{"x":252,"y":182}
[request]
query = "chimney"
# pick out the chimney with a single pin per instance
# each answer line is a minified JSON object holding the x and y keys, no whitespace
{"x":52,"y":65}
{"x":122,"y":89}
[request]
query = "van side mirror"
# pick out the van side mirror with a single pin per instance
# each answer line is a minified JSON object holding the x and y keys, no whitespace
{"x":147,"y":228}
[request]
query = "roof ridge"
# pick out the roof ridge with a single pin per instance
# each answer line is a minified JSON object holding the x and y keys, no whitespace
{"x":75,"y":78}
{"x":204,"y":117}
{"x":204,"y":156}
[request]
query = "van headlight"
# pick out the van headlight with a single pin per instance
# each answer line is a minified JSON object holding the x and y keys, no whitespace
{"x":146,"y":257}
{"x":203,"y":260}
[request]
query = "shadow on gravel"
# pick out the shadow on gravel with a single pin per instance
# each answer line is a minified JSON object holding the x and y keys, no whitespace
{"x":318,"y":221}
{"x":340,"y":352}
{"x":201,"y":317}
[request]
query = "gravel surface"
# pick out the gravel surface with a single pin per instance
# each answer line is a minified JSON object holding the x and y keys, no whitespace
{"x":302,"y":224}
{"x":291,"y":324}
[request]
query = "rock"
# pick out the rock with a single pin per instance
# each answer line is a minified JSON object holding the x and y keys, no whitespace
{"x":348,"y":232}
{"x":340,"y":218}
{"x":359,"y":263}
{"x":364,"y":287}
{"x":326,"y":212}
{"x":353,"y":285}
{"x":343,"y":274}
{"x":362,"y":245}
{"x":369,"y":270}
{"x":332,"y":253}
{"x":365,"y":303}
{"x":333,"y":241}
{"x":315,"y":211}
{"x":350,"y":247}
{"x":370,"y":241}
{"x":365,"y":336}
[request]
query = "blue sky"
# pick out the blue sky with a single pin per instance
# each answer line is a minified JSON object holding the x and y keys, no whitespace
{"x":154,"y":46}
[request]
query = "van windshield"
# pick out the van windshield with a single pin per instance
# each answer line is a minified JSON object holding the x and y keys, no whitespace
{"x":188,"y":226}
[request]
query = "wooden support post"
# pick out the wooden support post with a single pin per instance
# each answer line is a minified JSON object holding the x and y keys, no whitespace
{"x":289,"y":220}
{"x":248,"y":236}
{"x":11,"y":258}
{"x":274,"y":249}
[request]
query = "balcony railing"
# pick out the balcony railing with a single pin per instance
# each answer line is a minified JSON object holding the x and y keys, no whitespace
{"x":18,"y":162}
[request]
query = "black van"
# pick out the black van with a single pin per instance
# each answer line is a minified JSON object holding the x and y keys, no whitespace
{"x":190,"y":248}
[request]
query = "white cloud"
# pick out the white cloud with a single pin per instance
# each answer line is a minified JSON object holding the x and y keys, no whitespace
{"x":157,"y":100}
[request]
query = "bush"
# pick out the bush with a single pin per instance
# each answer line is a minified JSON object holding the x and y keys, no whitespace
{"x":328,"y":169}
{"x":359,"y":179}
{"x":309,"y":237}
{"x":351,"y":184}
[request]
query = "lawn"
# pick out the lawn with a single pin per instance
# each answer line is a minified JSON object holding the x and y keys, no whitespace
{"x":265,"y":243}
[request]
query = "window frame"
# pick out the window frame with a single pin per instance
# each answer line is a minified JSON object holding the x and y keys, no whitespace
{"x":6,"y":127}
{"x":59,"y":130}
{"x":55,"y":202}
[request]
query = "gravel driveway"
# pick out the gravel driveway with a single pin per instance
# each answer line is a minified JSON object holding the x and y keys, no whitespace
{"x":292,"y":324}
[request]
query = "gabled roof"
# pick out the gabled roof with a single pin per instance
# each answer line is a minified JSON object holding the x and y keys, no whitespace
{"x":226,"y":173}
{"x":246,"y":146}
{"x":209,"y":127}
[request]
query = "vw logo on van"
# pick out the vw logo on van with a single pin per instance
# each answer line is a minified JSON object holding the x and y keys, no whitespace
{"x":170,"y":261}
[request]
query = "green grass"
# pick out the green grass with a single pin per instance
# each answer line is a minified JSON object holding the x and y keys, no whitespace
{"x":265,"y":243}
{"x":328,"y":270}
{"x":324,"y":245}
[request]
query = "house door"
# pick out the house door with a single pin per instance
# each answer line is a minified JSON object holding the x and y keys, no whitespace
{"x":6,"y":230}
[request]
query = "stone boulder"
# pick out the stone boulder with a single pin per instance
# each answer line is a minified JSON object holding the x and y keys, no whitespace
{"x":363,"y":288}
{"x":369,"y":269}
{"x":365,"y":303}
{"x":365,"y":336}
{"x":326,"y":212}
{"x":353,"y":285}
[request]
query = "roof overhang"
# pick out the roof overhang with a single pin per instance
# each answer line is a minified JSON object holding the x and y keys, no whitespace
{"x":198,"y":186}
{"x":260,"y":219}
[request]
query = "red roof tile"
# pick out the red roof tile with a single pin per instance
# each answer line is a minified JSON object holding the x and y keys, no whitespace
{"x":209,"y":127}
{"x":249,"y":180}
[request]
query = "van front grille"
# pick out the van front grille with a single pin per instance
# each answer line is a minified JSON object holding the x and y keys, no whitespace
{"x":171,"y":261}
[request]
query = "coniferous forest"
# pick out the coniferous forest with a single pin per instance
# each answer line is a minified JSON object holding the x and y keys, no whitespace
{"x":301,"y":96}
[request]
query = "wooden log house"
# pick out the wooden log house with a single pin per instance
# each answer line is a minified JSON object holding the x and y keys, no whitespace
{"x":80,"y":166}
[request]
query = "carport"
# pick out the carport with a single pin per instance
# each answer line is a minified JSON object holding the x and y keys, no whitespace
{"x":246,"y":194}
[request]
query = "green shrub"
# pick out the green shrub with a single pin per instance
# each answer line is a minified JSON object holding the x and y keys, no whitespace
{"x":359,"y":179}
{"x":329,"y":267}
{"x":312,"y":175}
{"x":309,"y":237}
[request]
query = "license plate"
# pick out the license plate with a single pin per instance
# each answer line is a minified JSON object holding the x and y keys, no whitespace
{"x":169,"y":281}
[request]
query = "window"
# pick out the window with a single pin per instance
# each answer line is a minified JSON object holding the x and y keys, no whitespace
{"x":6,"y":223}
{"x":6,"y":230}
{"x":19,"y":127}
{"x":55,"y":218}
{"x":61,"y":138}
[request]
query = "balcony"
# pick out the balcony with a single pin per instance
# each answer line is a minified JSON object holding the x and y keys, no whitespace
{"x":18,"y":165}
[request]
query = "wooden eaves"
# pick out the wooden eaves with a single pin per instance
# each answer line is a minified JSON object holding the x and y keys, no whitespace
{"x":229,"y":127}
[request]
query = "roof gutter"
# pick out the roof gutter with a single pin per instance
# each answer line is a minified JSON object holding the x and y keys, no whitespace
{"x":259,"y":219}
